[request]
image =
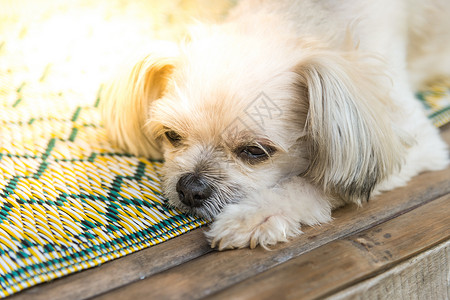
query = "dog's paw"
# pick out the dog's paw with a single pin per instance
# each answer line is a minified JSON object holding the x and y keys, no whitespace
{"x":240,"y":227}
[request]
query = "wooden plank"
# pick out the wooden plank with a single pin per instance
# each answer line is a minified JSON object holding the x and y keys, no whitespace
{"x":422,"y":277}
{"x":343,"y":262}
{"x":185,"y":248}
{"x":445,"y":133}
{"x":122,"y":271}
{"x":218,"y":270}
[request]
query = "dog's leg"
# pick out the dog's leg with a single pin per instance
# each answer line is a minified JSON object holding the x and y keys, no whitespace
{"x":269,"y":216}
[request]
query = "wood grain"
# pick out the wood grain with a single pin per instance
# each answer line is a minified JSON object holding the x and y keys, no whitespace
{"x":122,"y":271}
{"x":422,"y":277}
{"x":445,"y":133}
{"x":343,"y":262}
{"x":215,"y":271}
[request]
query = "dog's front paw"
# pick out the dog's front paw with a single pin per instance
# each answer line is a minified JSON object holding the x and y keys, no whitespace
{"x":240,"y":227}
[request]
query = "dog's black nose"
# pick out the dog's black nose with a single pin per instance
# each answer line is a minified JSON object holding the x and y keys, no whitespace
{"x":193,"y":189}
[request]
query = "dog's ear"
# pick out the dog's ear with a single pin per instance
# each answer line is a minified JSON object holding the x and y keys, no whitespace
{"x":352,"y":144}
{"x":125,"y":103}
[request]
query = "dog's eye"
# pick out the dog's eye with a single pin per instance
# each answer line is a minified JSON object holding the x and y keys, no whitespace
{"x":173,"y":137}
{"x":253,"y":151}
{"x":254,"y":154}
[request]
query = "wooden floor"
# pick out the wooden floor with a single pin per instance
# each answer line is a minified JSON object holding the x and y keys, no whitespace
{"x":395,"y":247}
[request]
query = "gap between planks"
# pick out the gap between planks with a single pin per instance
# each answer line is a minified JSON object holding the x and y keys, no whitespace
{"x":424,"y":276}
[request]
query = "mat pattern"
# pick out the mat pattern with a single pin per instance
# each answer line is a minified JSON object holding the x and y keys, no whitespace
{"x":436,"y":101}
{"x":68,"y":200}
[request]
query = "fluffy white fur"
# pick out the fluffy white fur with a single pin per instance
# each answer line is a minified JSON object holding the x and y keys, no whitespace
{"x":321,"y":91}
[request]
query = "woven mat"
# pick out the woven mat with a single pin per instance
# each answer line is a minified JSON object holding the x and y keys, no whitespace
{"x":436,"y":101}
{"x":68,"y":200}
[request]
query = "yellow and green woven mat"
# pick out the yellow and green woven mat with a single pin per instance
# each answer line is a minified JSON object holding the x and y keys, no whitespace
{"x":68,"y":200}
{"x":436,"y":101}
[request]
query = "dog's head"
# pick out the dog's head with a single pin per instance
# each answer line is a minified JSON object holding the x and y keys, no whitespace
{"x":233,"y":115}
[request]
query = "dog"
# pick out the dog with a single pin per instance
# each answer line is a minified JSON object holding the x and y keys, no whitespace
{"x":286,"y":111}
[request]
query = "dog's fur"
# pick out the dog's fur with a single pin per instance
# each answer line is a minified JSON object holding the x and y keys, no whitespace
{"x":323,"y":90}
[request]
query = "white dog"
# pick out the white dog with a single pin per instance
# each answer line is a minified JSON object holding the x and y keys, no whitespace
{"x":286,"y":111}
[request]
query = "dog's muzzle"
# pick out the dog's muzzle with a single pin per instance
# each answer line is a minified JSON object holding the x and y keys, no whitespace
{"x":193,"y":189}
